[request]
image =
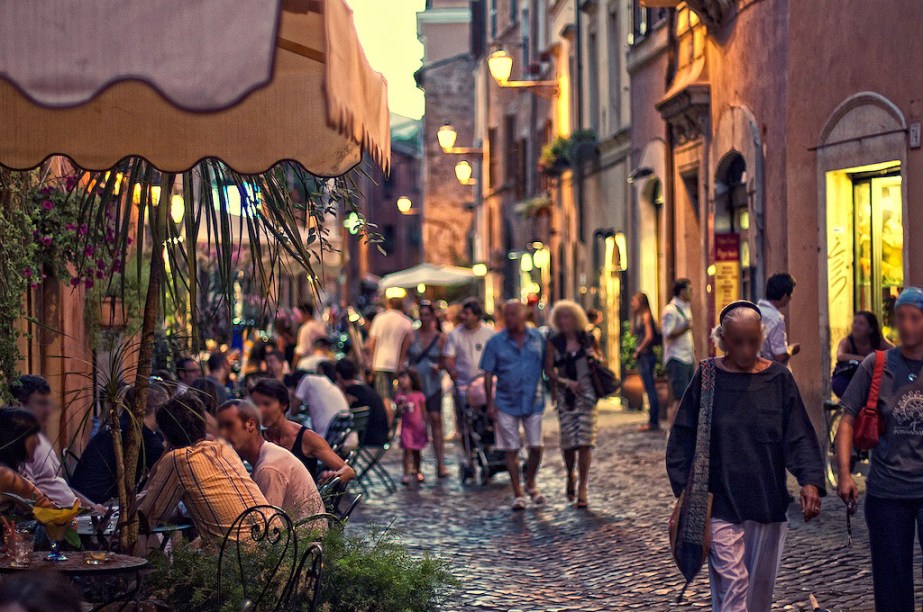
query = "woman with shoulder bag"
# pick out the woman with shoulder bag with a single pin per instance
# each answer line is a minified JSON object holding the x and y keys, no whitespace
{"x":740,"y":425}
{"x":864,"y":339}
{"x":883,"y":409}
{"x":568,"y":365}
{"x":421,"y":351}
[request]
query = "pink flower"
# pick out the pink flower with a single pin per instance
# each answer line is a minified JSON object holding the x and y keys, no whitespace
{"x":48,"y":205}
{"x":83,"y":229}
{"x":88,"y":250}
{"x":70,"y":182}
{"x":88,"y":283}
{"x":70,"y":227}
{"x":46,"y":240}
{"x":100,"y":274}
{"x":128,"y":240}
{"x":100,"y":264}
{"x":75,"y":282}
{"x":27,"y":272}
{"x":45,"y":190}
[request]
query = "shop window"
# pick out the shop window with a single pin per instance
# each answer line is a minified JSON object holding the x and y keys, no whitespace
{"x":865,"y":244}
{"x":732,"y":216}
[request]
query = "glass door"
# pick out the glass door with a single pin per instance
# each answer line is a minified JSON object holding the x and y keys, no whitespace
{"x":878,"y":244}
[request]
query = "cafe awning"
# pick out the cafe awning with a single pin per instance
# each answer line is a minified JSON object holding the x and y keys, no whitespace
{"x":251,"y":82}
{"x":427,"y":274}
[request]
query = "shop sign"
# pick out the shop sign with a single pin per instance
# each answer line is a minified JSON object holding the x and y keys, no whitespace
{"x":727,"y":270}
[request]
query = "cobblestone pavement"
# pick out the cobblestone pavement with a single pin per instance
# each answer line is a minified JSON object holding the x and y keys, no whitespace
{"x":613,"y":557}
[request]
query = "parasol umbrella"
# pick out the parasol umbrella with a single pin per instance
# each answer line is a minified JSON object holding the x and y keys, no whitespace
{"x":250,"y":82}
{"x":427,"y":274}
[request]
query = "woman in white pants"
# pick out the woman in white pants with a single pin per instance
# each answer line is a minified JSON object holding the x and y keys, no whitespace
{"x":759,"y":428}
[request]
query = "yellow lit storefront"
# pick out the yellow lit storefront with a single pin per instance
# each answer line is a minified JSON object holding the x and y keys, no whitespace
{"x":865,"y":242}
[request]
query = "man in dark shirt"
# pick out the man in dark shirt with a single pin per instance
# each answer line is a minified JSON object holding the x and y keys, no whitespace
{"x":94,"y":475}
{"x":360,"y":394}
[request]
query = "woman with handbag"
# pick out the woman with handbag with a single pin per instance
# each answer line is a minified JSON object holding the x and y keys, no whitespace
{"x":421,"y":351}
{"x":568,"y":362}
{"x":864,"y":339}
{"x":883,"y":409}
{"x":644,"y":328}
{"x":740,"y":425}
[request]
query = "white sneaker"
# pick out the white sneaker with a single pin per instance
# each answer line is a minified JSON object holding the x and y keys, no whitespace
{"x":519,"y":504}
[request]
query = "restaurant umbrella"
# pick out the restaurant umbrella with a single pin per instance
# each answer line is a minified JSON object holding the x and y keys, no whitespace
{"x":161,"y":99}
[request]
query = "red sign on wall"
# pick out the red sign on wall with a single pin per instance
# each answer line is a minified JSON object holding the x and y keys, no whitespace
{"x":727,"y":270}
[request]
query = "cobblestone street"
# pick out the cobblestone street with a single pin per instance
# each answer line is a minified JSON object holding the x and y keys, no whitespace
{"x":614,"y":557}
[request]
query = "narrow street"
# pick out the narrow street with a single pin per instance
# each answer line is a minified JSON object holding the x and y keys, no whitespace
{"x":616,"y":556}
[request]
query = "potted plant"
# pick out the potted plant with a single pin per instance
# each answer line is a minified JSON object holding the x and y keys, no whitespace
{"x":662,"y":383}
{"x":555,"y":157}
{"x":632,"y":385}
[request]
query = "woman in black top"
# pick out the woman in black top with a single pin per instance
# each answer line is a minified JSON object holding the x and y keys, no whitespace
{"x":864,"y":339}
{"x":644,"y":330}
{"x":759,"y":429}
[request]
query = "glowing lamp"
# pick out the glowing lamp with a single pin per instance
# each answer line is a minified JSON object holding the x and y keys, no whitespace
{"x":463,"y":172}
{"x":446,"y":137}
{"x":525,"y":262}
{"x":500,"y":64}
{"x":404,"y":204}
{"x":177,"y":208}
{"x":479,"y":270}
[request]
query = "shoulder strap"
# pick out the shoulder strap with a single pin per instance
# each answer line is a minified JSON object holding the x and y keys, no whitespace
{"x":425,"y":351}
{"x":852,"y":345}
{"x":877,"y":373}
{"x":297,"y":449}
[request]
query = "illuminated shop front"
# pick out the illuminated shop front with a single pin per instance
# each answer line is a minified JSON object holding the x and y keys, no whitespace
{"x":865,"y":238}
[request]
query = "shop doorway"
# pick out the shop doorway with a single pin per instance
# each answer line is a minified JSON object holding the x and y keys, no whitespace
{"x":732,"y":218}
{"x":865,"y":245}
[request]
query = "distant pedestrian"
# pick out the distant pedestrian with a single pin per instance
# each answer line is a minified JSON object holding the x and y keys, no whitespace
{"x":413,"y":424}
{"x":463,"y":349}
{"x":644,"y":328}
{"x":779,"y":289}
{"x":678,"y":343}
{"x":385,"y":337}
{"x":310,"y":330}
{"x":864,"y":338}
{"x":894,"y":488}
{"x":754,"y":426}
{"x":421,"y":353}
{"x":187,"y":372}
{"x":567,"y":364}
{"x":219,"y":372}
{"x":516,"y":358}
{"x":595,"y":319}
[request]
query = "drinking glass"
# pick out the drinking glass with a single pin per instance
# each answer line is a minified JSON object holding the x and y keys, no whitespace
{"x":22,"y":547}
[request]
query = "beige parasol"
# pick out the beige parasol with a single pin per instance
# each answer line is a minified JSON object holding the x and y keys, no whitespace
{"x":323,"y":105}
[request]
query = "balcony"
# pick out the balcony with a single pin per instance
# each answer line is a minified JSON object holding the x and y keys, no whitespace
{"x":713,"y":13}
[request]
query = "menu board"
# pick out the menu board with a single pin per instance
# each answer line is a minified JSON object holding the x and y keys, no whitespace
{"x":727,"y":270}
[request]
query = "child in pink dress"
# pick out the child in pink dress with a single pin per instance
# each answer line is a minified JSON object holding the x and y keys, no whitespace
{"x":413,"y":423}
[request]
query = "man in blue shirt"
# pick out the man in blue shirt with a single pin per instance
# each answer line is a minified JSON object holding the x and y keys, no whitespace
{"x":515,"y":356}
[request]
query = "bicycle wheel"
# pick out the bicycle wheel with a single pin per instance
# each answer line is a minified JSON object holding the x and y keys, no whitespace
{"x":830,"y":465}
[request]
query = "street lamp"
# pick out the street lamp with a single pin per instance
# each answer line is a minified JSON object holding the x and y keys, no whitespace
{"x":500,"y":65}
{"x":404,"y":205}
{"x":479,"y":270}
{"x":463,"y":173}
{"x":447,"y":135}
{"x":177,"y":208}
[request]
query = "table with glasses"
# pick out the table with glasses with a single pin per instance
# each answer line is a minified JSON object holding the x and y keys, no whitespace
{"x":83,"y":565}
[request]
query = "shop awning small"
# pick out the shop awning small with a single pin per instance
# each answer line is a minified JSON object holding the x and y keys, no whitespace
{"x":251,"y":82}
{"x":427,"y":274}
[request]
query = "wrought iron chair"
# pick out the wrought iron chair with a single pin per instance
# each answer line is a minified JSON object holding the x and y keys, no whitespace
{"x":269,"y":528}
{"x":303,"y":591}
{"x":338,"y":431}
{"x":368,"y":460}
{"x":360,"y":420}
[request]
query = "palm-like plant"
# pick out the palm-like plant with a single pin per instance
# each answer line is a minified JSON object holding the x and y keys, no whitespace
{"x":257,"y":225}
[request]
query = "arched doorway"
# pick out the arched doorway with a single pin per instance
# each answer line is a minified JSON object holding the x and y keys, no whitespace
{"x":733,"y":220}
{"x":650,"y":241}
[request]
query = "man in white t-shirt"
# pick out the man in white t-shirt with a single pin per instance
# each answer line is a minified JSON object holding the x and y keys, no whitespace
{"x":779,"y":289}
{"x":284,"y":481}
{"x":323,"y":399}
{"x":385,"y":337}
{"x":311,"y":329}
{"x":463,"y":349}
{"x":678,"y":342}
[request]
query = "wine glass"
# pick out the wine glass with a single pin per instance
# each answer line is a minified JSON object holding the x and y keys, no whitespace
{"x":55,"y":535}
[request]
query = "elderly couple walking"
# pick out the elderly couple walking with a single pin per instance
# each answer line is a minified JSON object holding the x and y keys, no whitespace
{"x":516,"y":359}
{"x":742,"y":424}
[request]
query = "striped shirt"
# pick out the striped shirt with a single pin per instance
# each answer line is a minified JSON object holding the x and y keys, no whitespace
{"x":211,"y":481}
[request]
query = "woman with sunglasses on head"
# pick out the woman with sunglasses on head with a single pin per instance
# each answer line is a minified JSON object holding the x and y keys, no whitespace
{"x":759,"y":428}
{"x":894,"y":488}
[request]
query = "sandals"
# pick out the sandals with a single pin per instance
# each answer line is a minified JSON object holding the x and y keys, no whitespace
{"x":519,"y":504}
{"x":571,"y":488}
{"x":442,"y":472}
{"x":537,"y":498}
{"x":582,"y":503}
{"x":405,"y":481}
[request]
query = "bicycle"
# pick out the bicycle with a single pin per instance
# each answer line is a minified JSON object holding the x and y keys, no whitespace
{"x":858,"y":463}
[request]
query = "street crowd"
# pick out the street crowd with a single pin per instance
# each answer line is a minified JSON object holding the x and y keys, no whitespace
{"x":228,"y":431}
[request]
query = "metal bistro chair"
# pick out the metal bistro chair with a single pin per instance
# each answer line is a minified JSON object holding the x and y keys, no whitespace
{"x":360,"y":420}
{"x":368,"y":460}
{"x":338,"y":431}
{"x":269,"y":528}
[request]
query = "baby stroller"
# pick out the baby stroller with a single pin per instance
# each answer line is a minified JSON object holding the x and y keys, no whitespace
{"x":477,"y":437}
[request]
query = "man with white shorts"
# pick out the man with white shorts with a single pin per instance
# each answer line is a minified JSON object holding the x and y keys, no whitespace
{"x":515,"y":356}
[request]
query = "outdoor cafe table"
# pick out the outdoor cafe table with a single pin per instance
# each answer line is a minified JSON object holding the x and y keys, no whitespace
{"x":76,"y":565}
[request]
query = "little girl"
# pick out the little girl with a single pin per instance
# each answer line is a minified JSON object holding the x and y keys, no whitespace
{"x":413,"y":423}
